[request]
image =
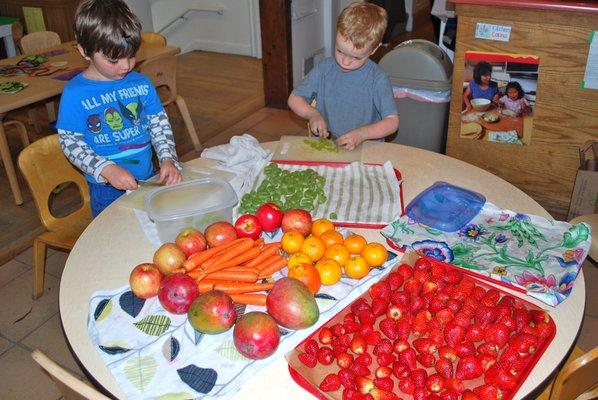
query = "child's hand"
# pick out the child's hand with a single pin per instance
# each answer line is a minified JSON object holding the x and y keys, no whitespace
{"x":317,"y":125}
{"x":119,"y":177}
{"x":351,"y":139}
{"x":169,"y":172}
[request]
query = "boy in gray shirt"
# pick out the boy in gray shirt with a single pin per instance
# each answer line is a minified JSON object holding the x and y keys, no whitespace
{"x":354,"y":98}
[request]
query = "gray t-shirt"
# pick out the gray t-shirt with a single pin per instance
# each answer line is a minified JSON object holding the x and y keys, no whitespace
{"x":348,"y":100}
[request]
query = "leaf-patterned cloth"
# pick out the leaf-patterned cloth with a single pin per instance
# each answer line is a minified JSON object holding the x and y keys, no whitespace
{"x":540,"y":255}
{"x":154,"y":354}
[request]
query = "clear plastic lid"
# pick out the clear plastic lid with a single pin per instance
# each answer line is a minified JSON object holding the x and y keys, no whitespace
{"x":445,"y":207}
{"x":198,"y":196}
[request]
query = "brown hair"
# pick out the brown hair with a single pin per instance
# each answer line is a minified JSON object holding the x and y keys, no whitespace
{"x":107,"y":26}
{"x":362,"y":24}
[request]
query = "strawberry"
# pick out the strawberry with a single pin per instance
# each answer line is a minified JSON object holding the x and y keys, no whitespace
{"x":349,"y":317}
{"x":435,"y":383}
{"x":364,"y":359}
{"x":406,"y":386}
{"x":478,"y":293}
{"x":488,"y":348}
{"x":444,"y":367}
{"x":464,"y":289}
{"x":445,"y":315}
{"x":453,"y":276}
{"x":436,"y":336}
{"x":404,"y":327}
{"x":400,"y":345}
{"x":383,"y":372}
{"x":447,"y":352}
{"x":380,"y":290}
{"x":373,"y":338}
{"x":343,"y":341}
{"x":418,"y":303}
{"x":474,"y":333}
{"x":487,"y":361}
{"x":497,"y":334}
{"x":405,"y":270}
{"x":400,"y":370}
{"x":438,"y":271}
{"x":388,"y":328}
{"x":351,"y":394}
{"x":358,"y":305}
{"x":419,"y":377}
{"x":488,"y":392}
{"x":453,"y":305}
{"x":465,"y":348}
{"x":468,"y":367}
{"x":509,"y":322}
{"x":449,"y":394}
{"x":507,"y":300}
{"x":395,"y":312}
{"x":453,"y":333}
{"x":426,"y":360}
{"x":385,"y":359}
{"x":491,"y":298}
{"x":469,"y":395}
{"x":503,"y":311}
{"x":454,"y":384}
{"x":384,"y":383}
{"x":424,"y":345}
{"x":524,"y":343}
{"x":365,"y":329}
{"x":422,"y":276}
{"x":359,"y":370}
{"x":330,"y":383}
{"x":379,"y":394}
{"x":347,"y":378}
{"x":395,"y":280}
{"x":358,"y":344}
{"x":338,"y":349}
{"x":308,"y":359}
{"x":539,"y":316}
{"x":401,"y":298}
{"x":420,"y":322}
{"x":379,"y":306}
{"x":364,"y":385}
{"x":344,"y":360}
{"x":422,"y":264}
{"x":325,"y":335}
{"x":325,"y":355}
{"x":366,"y":317}
{"x":462,"y":319}
{"x":485,"y":315}
{"x":544,"y":329}
{"x":502,"y":376}
{"x":384,"y":346}
{"x":522,"y":318}
{"x":311,"y":347}
{"x":412,"y":286}
{"x":436,"y":305}
{"x":420,"y":394}
{"x":408,"y":357}
{"x":338,"y":330}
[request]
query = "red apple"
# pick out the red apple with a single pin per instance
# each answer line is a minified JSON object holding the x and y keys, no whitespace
{"x":247,"y":225}
{"x":168,"y":258}
{"x":177,"y":292}
{"x":191,"y":241}
{"x":297,"y":220}
{"x":270,"y":216}
{"x":212,"y":312}
{"x":256,"y":335}
{"x":145,"y":280}
{"x":221,"y":232}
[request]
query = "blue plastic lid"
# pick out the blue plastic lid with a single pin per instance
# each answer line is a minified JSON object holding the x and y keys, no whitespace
{"x":445,"y":207}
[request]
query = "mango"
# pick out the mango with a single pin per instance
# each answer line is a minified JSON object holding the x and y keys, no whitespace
{"x":292,"y":304}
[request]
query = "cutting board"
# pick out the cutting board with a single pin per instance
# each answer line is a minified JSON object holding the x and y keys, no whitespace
{"x":296,"y":148}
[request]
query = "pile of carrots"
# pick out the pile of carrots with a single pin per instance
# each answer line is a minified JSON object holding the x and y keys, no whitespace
{"x":235,"y":269}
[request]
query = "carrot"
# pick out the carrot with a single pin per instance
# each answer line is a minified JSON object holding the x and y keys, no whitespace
{"x":274,"y":266}
{"x":256,"y":299}
{"x":238,"y":276}
{"x":268,"y":250}
{"x":242,"y":287}
{"x":195,"y":260}
{"x":238,"y":248}
{"x":205,"y":285}
{"x":259,"y":242}
{"x":241,"y":258}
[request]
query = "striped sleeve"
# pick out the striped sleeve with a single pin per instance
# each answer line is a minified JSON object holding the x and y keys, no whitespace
{"x":81,"y":155}
{"x":162,"y":137}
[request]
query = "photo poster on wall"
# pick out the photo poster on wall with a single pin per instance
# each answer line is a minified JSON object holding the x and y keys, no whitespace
{"x":499,"y":97}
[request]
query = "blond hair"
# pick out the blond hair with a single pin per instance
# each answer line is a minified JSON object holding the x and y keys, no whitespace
{"x":362,"y":24}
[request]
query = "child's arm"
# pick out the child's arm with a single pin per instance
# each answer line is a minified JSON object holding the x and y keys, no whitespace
{"x":377,"y":130}
{"x":163,"y":142}
{"x":466,"y":96}
{"x":317,"y":123}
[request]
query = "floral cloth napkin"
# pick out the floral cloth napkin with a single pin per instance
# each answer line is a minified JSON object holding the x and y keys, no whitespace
{"x":540,"y":255}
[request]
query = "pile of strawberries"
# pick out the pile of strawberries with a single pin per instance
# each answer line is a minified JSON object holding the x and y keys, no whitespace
{"x":430,"y":332}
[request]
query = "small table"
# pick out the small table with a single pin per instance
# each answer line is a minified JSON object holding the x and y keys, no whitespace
{"x":44,"y":87}
{"x":114,"y":243}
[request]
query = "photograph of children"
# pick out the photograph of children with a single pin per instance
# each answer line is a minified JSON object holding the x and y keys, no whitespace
{"x":499,"y":96}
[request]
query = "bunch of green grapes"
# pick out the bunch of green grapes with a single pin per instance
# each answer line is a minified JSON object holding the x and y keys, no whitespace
{"x":298,"y":189}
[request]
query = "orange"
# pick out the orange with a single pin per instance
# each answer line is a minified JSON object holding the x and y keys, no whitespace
{"x":314,"y":247}
{"x":330,"y":271}
{"x":291,"y":241}
{"x":320,"y":226}
{"x":298,"y":258}
{"x":357,"y":267}
{"x":308,"y":274}
{"x":355,"y":243}
{"x":331,"y":237}
{"x":338,"y":253}
{"x":375,"y":254}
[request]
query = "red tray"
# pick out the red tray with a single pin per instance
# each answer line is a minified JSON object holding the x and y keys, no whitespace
{"x":311,"y":386}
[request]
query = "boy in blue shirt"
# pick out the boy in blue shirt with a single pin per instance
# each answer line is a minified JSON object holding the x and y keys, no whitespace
{"x":110,"y":116}
{"x":354,"y":98}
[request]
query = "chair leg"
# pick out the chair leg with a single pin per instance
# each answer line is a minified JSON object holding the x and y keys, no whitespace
{"x":51,"y":110}
{"x":39,"y":267}
{"x":22,"y":129}
{"x":9,"y":166}
{"x":182,"y":105}
{"x":32,"y":120}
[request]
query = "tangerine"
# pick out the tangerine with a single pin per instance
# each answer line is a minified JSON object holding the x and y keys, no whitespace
{"x":320,"y":226}
{"x":355,"y":243}
{"x":357,"y":267}
{"x":338,"y":253}
{"x":375,"y":254}
{"x":330,"y":271}
{"x":308,"y":274}
{"x":298,"y":258}
{"x":331,"y":237}
{"x":291,"y":241}
{"x":314,"y":247}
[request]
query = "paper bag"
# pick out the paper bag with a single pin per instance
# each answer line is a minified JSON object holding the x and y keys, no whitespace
{"x":584,"y":199}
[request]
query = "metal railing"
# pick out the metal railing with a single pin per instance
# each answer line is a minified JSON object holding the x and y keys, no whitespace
{"x":183,"y":16}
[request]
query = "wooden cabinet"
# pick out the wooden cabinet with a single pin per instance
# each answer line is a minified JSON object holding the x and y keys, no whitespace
{"x":565,"y":115}
{"x":59,"y":15}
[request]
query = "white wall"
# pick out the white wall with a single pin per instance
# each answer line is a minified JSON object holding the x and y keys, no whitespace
{"x":236,"y":31}
{"x":308,"y":34}
{"x":142,"y":8}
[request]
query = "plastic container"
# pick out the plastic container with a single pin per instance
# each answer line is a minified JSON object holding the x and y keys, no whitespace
{"x":195,"y":204}
{"x":445,"y":207}
{"x":422,"y":73}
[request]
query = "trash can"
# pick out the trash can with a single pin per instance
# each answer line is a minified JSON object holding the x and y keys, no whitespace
{"x":421,"y":75}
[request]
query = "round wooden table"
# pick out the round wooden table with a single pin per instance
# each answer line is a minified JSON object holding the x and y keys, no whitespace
{"x":114,"y":242}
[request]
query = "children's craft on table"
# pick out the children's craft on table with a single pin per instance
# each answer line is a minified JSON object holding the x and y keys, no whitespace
{"x":12,"y":87}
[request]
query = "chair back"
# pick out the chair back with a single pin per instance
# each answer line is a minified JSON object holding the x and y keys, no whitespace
{"x":69,"y":385}
{"x":153,"y":38}
{"x":162,"y":72}
{"x":36,"y":41}
{"x":45,"y":167}
{"x":577,"y":378}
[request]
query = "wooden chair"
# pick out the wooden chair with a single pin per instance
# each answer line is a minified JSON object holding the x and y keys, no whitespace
{"x":577,"y":379}
{"x":162,"y":72}
{"x":69,"y":385}
{"x":35,"y":41}
{"x":45,"y":167}
{"x":7,"y":158}
{"x":592,"y":220}
{"x":17,"y":34}
{"x":153,"y":38}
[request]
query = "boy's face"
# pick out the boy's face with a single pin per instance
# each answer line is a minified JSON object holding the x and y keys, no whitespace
{"x":102,"y":68}
{"x":348,"y":57}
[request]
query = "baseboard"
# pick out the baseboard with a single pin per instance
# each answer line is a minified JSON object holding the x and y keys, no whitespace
{"x":218,"y":47}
